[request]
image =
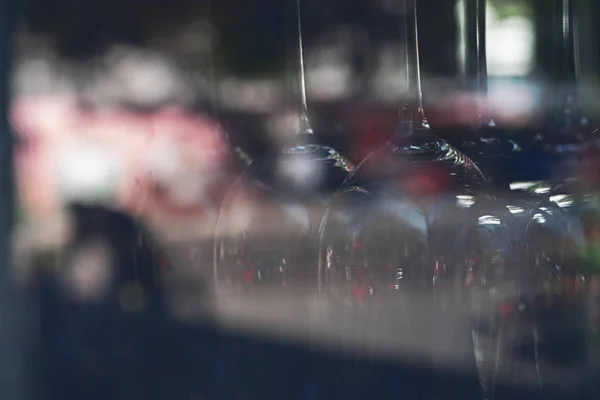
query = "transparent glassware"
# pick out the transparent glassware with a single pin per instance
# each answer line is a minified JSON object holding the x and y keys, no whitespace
{"x":548,"y":227}
{"x":541,"y":203}
{"x":567,"y":137}
{"x":372,"y":249}
{"x":416,"y":181}
{"x":282,"y":192}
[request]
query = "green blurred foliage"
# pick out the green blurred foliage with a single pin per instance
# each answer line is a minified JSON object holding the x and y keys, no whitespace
{"x":505,"y":9}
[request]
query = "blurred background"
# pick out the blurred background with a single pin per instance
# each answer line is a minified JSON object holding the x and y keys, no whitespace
{"x":151,"y":108}
{"x":353,"y":44}
{"x":235,"y":63}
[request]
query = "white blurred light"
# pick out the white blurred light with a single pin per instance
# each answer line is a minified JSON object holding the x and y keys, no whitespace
{"x":34,"y":76}
{"x":562,"y":200}
{"x":88,"y":173}
{"x":510,"y":44}
{"x":465,"y":201}
{"x":512,"y":99}
{"x":558,"y":197}
{"x":522,"y":185}
{"x":301,"y":171}
{"x":164,"y":160}
{"x":256,"y":96}
{"x":510,"y":41}
{"x":542,"y":190}
{"x":328,"y":74}
{"x":185,"y":186}
{"x":515,"y":210}
{"x":90,"y":272}
{"x":565,"y":203}
{"x":138,"y":77}
{"x":539,"y":218}
{"x":489,"y":220}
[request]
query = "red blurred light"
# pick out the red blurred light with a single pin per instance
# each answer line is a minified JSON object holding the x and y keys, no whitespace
{"x":506,"y":309}
{"x":359,"y":292}
{"x":427,"y":181}
{"x":248,"y":276}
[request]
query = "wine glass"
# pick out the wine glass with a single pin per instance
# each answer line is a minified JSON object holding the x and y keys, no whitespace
{"x":415,"y":179}
{"x":546,"y":226}
{"x":567,"y":137}
{"x":283,"y":196}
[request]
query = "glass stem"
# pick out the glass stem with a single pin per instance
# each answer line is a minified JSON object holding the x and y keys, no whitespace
{"x":476,"y":54}
{"x":412,"y":113}
{"x":567,"y":63}
{"x":303,"y":123}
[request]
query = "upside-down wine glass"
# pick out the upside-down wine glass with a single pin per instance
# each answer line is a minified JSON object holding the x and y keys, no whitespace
{"x":266,"y":227}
